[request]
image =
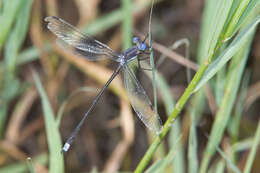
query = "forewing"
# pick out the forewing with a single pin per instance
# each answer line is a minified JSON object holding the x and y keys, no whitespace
{"x":70,"y":38}
{"x":140,"y":101}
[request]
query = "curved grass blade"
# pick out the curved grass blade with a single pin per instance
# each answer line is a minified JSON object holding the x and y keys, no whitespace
{"x":253,"y":150}
{"x":9,"y":10}
{"x":161,"y":165}
{"x":234,"y":76}
{"x":231,"y":50}
{"x":56,"y":162}
{"x":251,"y":9}
{"x":21,"y":167}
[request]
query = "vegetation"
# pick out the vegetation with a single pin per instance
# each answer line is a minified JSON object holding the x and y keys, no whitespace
{"x":210,"y":126}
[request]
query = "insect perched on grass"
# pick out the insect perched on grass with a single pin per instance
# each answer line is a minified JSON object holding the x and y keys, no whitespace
{"x":72,"y":39}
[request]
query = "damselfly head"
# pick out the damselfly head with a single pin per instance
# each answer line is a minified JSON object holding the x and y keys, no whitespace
{"x":136,"y":40}
{"x":141,"y":45}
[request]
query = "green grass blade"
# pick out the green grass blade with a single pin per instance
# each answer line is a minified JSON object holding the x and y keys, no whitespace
{"x":253,"y":150}
{"x":178,"y":161}
{"x":251,"y":9}
{"x":21,"y":167}
{"x":171,"y":156}
{"x":192,"y":150}
{"x":161,"y":165}
{"x":220,"y":84}
{"x":16,"y":37}
{"x":235,"y":121}
{"x":56,"y":163}
{"x":229,"y":162}
{"x":168,"y":101}
{"x":214,"y":18}
{"x":234,"y":76}
{"x":30,"y":165}
{"x":127,"y":24}
{"x":243,"y":145}
{"x":9,"y":11}
{"x":220,"y":168}
{"x":17,"y":34}
{"x":154,"y":167}
{"x":229,"y":52}
{"x":235,"y":18}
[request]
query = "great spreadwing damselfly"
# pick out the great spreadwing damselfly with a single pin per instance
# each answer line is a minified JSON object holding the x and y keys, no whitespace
{"x":70,"y":38}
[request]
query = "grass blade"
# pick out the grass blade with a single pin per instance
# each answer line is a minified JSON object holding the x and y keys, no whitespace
{"x":161,"y":165}
{"x":235,"y":18}
{"x":251,"y":9}
{"x":30,"y":165}
{"x":234,"y":76}
{"x":214,"y":18}
{"x":235,"y":122}
{"x":11,"y":85}
{"x":21,"y":167}
{"x":9,"y":10}
{"x":127,"y":24}
{"x":192,"y":150}
{"x":17,"y":35}
{"x":231,"y":50}
{"x":154,"y":167}
{"x":56,"y":163}
{"x":253,"y":150}
{"x":178,"y":162}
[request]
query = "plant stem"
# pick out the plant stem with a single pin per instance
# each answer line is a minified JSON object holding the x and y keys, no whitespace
{"x":178,"y":107}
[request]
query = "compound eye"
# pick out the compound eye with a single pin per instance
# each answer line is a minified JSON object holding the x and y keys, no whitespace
{"x":135,"y":40}
{"x":143,"y":46}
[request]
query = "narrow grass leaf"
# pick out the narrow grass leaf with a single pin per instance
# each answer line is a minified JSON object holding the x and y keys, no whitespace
{"x":217,"y":166}
{"x":235,"y":18}
{"x":233,"y":128}
{"x":229,"y":162}
{"x":236,"y":69}
{"x":11,"y":85}
{"x":30,"y":165}
{"x":56,"y":163}
{"x":168,"y":101}
{"x":243,"y":145}
{"x":214,"y":18}
{"x":9,"y":11}
{"x":253,"y":150}
{"x":170,"y":156}
{"x":220,"y":84}
{"x":229,"y":52}
{"x":127,"y":24}
{"x":220,"y":167}
{"x":21,"y":167}
{"x":251,"y":9}
{"x":154,"y":167}
{"x":160,"y":165}
{"x":178,"y":162}
{"x":17,"y":34}
{"x":192,"y":150}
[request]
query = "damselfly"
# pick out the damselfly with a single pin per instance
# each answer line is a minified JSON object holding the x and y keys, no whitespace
{"x":74,"y":40}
